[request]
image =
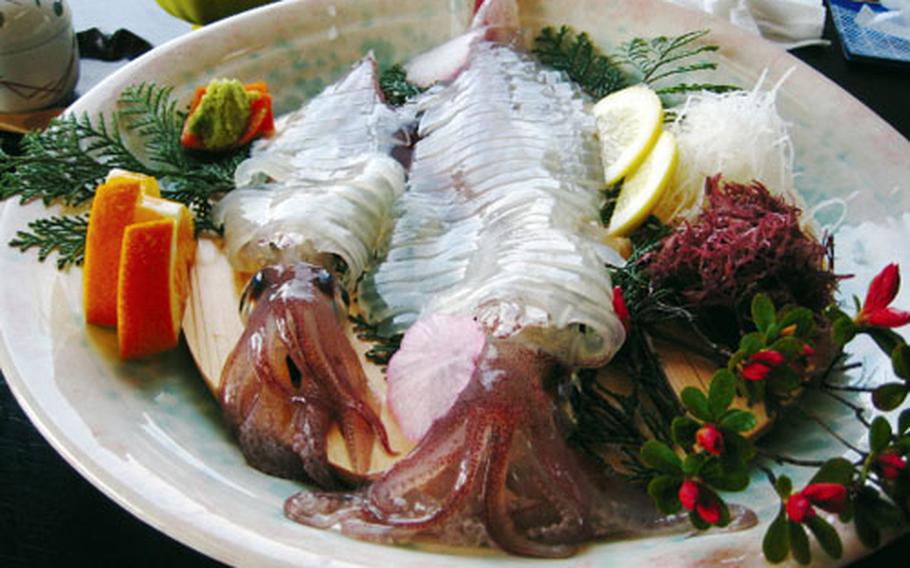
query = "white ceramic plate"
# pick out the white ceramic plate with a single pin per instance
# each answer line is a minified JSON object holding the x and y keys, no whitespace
{"x":150,"y":436}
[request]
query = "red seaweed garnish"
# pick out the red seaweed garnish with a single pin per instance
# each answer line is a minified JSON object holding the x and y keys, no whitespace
{"x":744,"y":242}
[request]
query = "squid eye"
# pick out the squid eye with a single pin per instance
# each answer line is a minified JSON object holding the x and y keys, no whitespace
{"x":345,"y":297}
{"x":325,"y":281}
{"x":251,"y":293}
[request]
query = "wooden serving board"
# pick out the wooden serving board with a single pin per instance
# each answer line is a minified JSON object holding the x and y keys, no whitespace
{"x":686,"y":369}
{"x":212,"y":326}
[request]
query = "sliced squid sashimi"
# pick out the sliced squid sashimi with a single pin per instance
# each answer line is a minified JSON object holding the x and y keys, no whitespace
{"x":500,"y":220}
{"x":349,"y":118}
{"x":324,"y":186}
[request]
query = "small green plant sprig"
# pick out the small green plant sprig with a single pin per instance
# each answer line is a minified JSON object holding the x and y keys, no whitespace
{"x":655,"y":62}
{"x":711,"y":455}
{"x":872,"y":491}
{"x":786,"y":534}
{"x":773,"y":361}
{"x":63,"y":235}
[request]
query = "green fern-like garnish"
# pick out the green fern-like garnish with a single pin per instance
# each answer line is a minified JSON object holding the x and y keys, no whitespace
{"x":381,"y":347}
{"x":64,"y":235}
{"x":659,"y":59}
{"x":66,"y":162}
{"x":573,"y":53}
{"x":654,"y":62}
{"x":150,"y":112}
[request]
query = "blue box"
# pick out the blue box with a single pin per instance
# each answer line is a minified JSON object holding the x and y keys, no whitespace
{"x":862,"y":44}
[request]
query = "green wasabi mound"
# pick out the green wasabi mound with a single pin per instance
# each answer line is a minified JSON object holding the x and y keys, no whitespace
{"x":222,"y":115}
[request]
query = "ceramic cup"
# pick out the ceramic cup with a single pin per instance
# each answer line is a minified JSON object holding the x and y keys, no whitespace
{"x":39,"y":60}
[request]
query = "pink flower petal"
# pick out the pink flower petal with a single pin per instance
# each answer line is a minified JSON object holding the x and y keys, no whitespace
{"x":831,"y":497}
{"x":755,"y":371}
{"x":688,"y":494}
{"x":883,"y":288}
{"x":887,"y":317}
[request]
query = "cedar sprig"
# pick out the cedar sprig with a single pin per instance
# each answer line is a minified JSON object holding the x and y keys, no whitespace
{"x":63,"y":234}
{"x":150,"y":112}
{"x":65,"y":162}
{"x":653,"y":61}
{"x":573,"y":53}
{"x":658,"y":59}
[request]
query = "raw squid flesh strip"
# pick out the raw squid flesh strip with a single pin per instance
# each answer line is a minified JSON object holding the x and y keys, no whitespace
{"x":495,"y":20}
{"x":500,"y":218}
{"x":323,"y":187}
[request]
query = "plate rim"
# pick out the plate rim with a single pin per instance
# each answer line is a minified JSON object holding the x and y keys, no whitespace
{"x":220,"y":546}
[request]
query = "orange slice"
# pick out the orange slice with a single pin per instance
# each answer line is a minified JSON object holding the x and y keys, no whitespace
{"x":147,"y":184}
{"x":113,"y":208}
{"x":139,"y":249}
{"x":153,"y":284}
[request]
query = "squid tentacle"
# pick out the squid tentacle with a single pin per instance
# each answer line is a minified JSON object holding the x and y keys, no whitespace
{"x":293,"y":375}
{"x":499,"y":522}
{"x":336,"y":377}
{"x":471,"y":466}
{"x":495,"y":469}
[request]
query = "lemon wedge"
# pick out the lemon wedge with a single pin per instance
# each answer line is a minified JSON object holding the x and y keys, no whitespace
{"x":628,"y":122}
{"x":678,"y":198}
{"x":642,"y":190}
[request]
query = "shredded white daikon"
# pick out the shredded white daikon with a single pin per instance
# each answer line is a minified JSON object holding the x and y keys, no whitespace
{"x":738,"y":134}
